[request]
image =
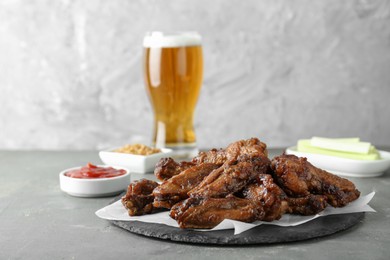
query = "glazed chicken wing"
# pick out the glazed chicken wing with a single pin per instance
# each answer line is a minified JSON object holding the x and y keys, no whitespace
{"x":299,"y":178}
{"x":231,"y":177}
{"x":275,"y":202}
{"x":175,"y":189}
{"x":139,"y":199}
{"x":252,"y":147}
{"x":209,"y":212}
{"x":216,"y":156}
{"x":307,"y":205}
{"x":167,"y":167}
{"x":269,"y":195}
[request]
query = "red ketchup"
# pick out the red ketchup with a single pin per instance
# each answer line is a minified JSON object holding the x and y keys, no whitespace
{"x":93,"y":172}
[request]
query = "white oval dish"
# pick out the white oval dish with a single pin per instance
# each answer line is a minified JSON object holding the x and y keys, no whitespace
{"x":344,"y":166}
{"x":94,"y":187}
{"x":135,"y":163}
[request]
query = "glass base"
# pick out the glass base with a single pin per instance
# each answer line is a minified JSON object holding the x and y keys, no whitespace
{"x":183,"y":151}
{"x":184,"y":154}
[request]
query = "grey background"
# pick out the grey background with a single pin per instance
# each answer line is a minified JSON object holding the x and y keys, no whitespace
{"x":71,"y":71}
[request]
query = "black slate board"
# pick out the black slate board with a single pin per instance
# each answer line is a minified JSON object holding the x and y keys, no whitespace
{"x":263,"y":234}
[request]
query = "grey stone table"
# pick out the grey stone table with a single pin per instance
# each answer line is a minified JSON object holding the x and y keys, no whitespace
{"x":38,"y":221}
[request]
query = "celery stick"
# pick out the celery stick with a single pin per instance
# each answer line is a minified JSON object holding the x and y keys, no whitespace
{"x":343,"y":140}
{"x":306,"y":147}
{"x":330,"y":144}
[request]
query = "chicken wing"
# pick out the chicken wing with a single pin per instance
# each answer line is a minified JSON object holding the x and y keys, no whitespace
{"x":231,"y":177}
{"x":307,"y":205}
{"x":167,"y":167}
{"x":175,"y":189}
{"x":252,"y":147}
{"x":299,"y":178}
{"x":209,"y":212}
{"x":275,"y":202}
{"x":138,"y":199}
{"x":269,"y":195}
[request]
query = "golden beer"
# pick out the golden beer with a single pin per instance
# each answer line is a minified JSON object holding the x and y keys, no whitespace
{"x":173,"y":66}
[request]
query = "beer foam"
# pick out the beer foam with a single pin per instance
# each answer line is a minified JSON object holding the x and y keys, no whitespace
{"x":158,"y":39}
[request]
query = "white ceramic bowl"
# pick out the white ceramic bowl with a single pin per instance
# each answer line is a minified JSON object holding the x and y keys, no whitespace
{"x":135,"y":163}
{"x":95,"y":187}
{"x":346,"y":167}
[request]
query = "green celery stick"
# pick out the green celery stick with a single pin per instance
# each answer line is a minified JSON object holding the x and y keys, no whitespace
{"x":306,"y":147}
{"x":343,"y":140}
{"x":337,"y":145}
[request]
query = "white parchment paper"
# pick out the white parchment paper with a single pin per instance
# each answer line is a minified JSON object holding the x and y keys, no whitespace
{"x":116,"y":211}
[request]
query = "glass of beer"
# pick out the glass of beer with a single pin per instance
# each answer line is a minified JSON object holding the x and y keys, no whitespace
{"x":173,"y":66}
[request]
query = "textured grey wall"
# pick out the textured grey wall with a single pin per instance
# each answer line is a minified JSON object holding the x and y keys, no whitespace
{"x":71,"y":76}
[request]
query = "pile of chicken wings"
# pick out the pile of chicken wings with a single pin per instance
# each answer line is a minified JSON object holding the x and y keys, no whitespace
{"x":239,"y":182}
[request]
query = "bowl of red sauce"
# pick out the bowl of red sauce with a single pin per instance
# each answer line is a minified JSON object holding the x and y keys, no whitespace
{"x":94,"y":180}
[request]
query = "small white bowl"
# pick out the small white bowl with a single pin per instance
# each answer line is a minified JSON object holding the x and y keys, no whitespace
{"x":94,"y":187}
{"x":346,"y":167}
{"x":135,"y":163}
